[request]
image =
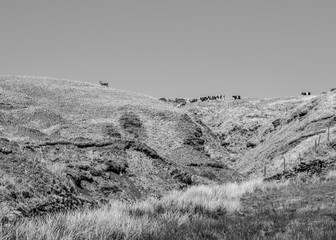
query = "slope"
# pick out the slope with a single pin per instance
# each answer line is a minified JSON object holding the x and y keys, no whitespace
{"x":259,"y":133}
{"x":67,"y":144}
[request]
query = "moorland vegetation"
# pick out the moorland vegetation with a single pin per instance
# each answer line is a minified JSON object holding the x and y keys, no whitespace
{"x":84,"y":161}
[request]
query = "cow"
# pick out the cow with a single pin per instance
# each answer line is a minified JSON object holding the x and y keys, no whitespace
{"x":193,"y":100}
{"x":305,"y":93}
{"x":219,"y":97}
{"x":236,"y":97}
{"x":163,"y":99}
{"x":180,"y":100}
{"x":103,"y":83}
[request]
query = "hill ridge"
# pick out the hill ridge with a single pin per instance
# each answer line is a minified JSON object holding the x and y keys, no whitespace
{"x":96,"y":144}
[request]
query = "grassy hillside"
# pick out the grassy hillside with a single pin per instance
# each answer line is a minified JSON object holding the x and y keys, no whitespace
{"x":66,"y":144}
{"x":260,"y":133}
{"x":82,"y":161}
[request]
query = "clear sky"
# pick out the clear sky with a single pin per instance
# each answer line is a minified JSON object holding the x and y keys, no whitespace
{"x":175,"y":48}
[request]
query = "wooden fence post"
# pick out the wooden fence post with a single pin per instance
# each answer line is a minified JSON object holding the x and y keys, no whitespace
{"x":328,"y":134}
{"x":284,"y":163}
{"x":315,"y":146}
{"x":264,"y":171}
{"x":319,"y":140}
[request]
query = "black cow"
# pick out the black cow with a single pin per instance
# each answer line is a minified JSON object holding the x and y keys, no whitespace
{"x":180,"y":100}
{"x":236,"y":97}
{"x":305,"y":93}
{"x":103,"y":83}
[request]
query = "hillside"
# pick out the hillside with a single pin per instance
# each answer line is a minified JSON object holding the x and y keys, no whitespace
{"x":259,"y":133}
{"x":66,"y":144}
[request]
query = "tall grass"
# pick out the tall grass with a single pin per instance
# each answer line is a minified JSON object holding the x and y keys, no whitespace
{"x":225,"y":198}
{"x":163,"y":218}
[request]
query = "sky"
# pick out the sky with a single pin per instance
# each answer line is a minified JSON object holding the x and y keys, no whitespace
{"x":175,"y":48}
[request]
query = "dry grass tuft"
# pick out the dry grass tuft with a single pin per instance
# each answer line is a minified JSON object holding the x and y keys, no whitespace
{"x":208,"y":198}
{"x":56,"y":168}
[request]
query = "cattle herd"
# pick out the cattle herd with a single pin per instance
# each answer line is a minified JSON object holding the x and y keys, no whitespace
{"x":215,"y":97}
{"x":183,"y":101}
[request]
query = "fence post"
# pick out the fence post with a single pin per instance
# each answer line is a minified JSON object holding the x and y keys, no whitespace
{"x":319,"y":140}
{"x":315,"y":146}
{"x":284,"y":163}
{"x":328,"y":134}
{"x":264,"y":171}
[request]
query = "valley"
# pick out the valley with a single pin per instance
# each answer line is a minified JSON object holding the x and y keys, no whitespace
{"x":75,"y":146}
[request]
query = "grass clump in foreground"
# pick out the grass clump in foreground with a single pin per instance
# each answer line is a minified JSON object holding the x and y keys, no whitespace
{"x":200,"y":212}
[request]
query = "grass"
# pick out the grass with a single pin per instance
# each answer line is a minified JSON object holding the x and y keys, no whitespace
{"x":56,"y":168}
{"x":200,"y":212}
{"x":162,"y":218}
{"x":72,"y":109}
{"x":217,"y":198}
{"x":331,"y":175}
